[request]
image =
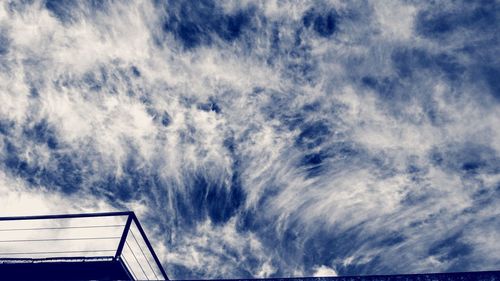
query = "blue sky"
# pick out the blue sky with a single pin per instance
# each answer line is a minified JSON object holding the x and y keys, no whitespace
{"x":262,"y":138}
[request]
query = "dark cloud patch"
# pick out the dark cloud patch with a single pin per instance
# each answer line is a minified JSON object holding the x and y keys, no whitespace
{"x":230,"y":144}
{"x":408,"y":62}
{"x":416,"y":172}
{"x":323,"y":23}
{"x":272,"y":110}
{"x":6,"y":126}
{"x":275,"y":43}
{"x":34,"y":92}
{"x":434,"y":114}
{"x":390,"y":239}
{"x":64,"y":170}
{"x":331,"y":157}
{"x":42,"y":133}
{"x":312,"y":107}
{"x":313,"y":134}
{"x":325,"y":246}
{"x":452,"y":249}
{"x":12,"y":160}
{"x":207,"y":198}
{"x":61,"y":9}
{"x":439,"y":23}
{"x":301,"y":67}
{"x":175,"y":269}
{"x":135,"y":71}
{"x":435,"y":26}
{"x":63,"y":173}
{"x":4,"y":43}
{"x":19,"y":6}
{"x":314,"y":163}
{"x":310,"y":247}
{"x":248,"y":220}
{"x":253,"y":219}
{"x":405,"y":60}
{"x":491,"y":76}
{"x":416,"y":197}
{"x":67,"y":174}
{"x":293,"y":120}
{"x":95,"y":81}
{"x":210,"y":106}
{"x":388,"y":88}
{"x":449,"y":65}
{"x":166,"y":119}
{"x":68,"y":11}
{"x":469,"y":158}
{"x":235,"y":197}
{"x":369,"y":81}
{"x":163,"y":118}
{"x":483,"y":196}
{"x":197,"y":24}
{"x":232,"y":26}
{"x":137,"y":180}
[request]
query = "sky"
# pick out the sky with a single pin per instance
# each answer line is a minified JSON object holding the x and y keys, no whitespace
{"x":262,"y":138}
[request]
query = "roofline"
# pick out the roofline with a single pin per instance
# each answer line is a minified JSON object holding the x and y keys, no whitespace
{"x":130,"y":217}
{"x":68,"y":216}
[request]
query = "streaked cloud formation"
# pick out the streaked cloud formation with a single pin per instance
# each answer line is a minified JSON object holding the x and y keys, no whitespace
{"x":270,"y":138}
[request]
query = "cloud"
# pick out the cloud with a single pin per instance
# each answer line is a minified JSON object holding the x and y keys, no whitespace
{"x":324,"y":271}
{"x":261,"y":138}
{"x":17,"y":199}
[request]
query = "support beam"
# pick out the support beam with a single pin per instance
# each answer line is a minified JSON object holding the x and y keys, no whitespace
{"x":124,"y":236}
{"x":148,"y":244}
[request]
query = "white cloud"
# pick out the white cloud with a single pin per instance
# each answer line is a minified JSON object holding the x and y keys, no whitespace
{"x":395,"y":19}
{"x":324,"y":271}
{"x":104,"y":117}
{"x":17,"y":199}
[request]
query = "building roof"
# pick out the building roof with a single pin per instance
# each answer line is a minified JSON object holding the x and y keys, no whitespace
{"x":77,"y":246}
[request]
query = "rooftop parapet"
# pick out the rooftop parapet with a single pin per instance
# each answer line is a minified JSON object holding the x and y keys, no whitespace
{"x":104,"y":245}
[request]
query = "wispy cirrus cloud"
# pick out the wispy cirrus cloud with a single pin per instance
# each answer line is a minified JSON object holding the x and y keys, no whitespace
{"x":263,"y":138}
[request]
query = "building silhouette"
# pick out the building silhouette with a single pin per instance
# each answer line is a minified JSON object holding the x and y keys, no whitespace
{"x":102,"y":246}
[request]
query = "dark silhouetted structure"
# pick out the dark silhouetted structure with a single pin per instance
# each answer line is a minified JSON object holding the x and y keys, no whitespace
{"x":102,"y":246}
